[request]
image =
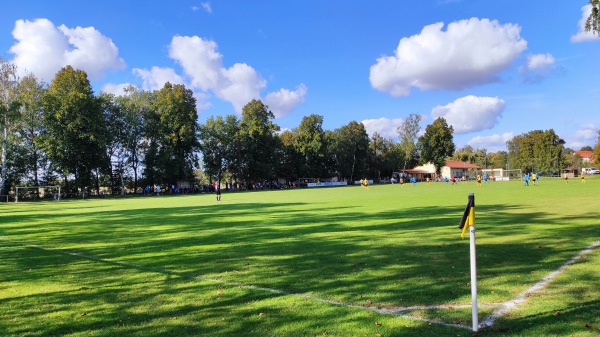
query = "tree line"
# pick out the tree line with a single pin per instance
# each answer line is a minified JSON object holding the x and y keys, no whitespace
{"x":62,"y":134}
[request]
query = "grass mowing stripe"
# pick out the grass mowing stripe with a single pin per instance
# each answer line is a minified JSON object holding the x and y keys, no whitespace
{"x":386,"y":247}
{"x":386,"y":311}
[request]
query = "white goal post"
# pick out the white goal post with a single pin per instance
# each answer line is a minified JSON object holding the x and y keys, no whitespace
{"x":55,"y":195}
{"x":503,"y":175}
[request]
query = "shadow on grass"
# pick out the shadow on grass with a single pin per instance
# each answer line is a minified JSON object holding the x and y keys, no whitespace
{"x":392,"y":258}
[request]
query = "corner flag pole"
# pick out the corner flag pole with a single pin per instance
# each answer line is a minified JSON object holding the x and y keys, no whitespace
{"x":468,"y":222}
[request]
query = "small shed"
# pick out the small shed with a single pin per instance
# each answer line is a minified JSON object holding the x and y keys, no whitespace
{"x":570,"y":172}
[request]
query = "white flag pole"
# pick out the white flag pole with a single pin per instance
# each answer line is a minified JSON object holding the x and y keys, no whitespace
{"x":474,"y":310}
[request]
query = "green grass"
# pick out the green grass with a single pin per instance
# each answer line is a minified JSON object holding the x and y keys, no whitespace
{"x":265,"y":263}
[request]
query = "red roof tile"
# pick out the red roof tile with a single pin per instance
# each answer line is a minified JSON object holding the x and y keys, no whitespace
{"x":456,"y":164}
{"x":584,"y":154}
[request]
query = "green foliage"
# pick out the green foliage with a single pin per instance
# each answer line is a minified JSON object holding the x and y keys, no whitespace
{"x":385,"y":156}
{"x":9,"y":106}
{"x":171,"y":128}
{"x":259,"y":142}
{"x":536,"y":151}
{"x":309,"y":143}
{"x":437,"y":144}
{"x":479,"y":157}
{"x":218,"y":143}
{"x":408,"y":133}
{"x":350,"y":150}
{"x":289,"y":160}
{"x":31,"y":93}
{"x":596,"y":151}
{"x":74,"y":137}
{"x":592,"y":24}
{"x":131,"y":110}
{"x":498,"y":159}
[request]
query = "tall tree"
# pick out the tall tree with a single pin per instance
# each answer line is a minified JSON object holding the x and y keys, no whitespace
{"x":175,"y":132}
{"x":408,"y":133}
{"x":217,"y":142}
{"x":75,"y":128}
{"x":593,"y":21}
{"x":350,"y":149}
{"x":596,"y":152}
{"x":131,"y":109}
{"x":437,"y":144}
{"x":536,"y":151}
{"x":258,"y":141}
{"x":31,"y":93}
{"x":466,"y":154}
{"x":309,"y":143}
{"x":9,"y":113}
{"x":385,"y":156}
{"x":376,"y":148}
{"x":498,"y":159}
{"x":289,"y":160}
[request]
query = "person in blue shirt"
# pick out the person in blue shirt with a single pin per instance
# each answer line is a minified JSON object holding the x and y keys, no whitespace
{"x":526,"y":180}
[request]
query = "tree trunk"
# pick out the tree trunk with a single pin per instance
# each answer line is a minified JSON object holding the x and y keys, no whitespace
{"x":97,"y":180}
{"x":122,"y":181}
{"x":352,"y":171}
{"x":3,"y":158}
{"x":67,"y":189}
{"x":135,"y":177}
{"x":36,"y":178}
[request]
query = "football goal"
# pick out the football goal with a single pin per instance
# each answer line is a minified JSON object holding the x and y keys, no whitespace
{"x":37,"y":193}
{"x":502,"y":174}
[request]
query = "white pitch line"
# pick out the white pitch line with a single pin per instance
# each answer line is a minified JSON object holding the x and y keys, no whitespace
{"x":386,"y":311}
{"x":487,"y":322}
{"x":512,"y":304}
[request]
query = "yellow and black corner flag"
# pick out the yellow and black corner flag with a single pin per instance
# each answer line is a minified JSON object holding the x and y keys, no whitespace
{"x":468,"y":218}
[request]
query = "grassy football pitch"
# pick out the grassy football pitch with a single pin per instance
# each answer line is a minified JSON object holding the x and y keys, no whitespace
{"x":345,"y":261}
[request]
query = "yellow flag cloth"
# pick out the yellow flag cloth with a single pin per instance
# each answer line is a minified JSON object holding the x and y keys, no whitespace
{"x":469,"y":222}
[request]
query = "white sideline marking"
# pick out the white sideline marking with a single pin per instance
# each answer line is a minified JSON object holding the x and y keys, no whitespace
{"x":510,"y":305}
{"x":487,"y":322}
{"x":386,"y":311}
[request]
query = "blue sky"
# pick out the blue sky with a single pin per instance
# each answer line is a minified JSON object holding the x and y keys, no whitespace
{"x":493,"y":69}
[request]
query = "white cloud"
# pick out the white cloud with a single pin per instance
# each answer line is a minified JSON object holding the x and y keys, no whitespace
{"x":238,"y":84}
{"x":470,"y":52}
{"x":202,"y":100}
{"x":115,"y":89}
{"x":471,"y":113}
{"x":207,"y":7}
{"x":202,"y":63}
{"x":199,"y":59}
{"x":540,"y":61}
{"x":282,"y":102}
{"x":582,"y":35}
{"x":155,"y":78}
{"x":588,"y":132}
{"x":386,"y":127}
{"x":538,"y":67}
{"x":82,"y":48}
{"x":492,"y":143}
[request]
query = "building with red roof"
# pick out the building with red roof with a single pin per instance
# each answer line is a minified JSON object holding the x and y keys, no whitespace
{"x":453,"y":168}
{"x":587,"y":157}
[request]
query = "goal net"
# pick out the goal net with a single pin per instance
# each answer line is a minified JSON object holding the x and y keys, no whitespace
{"x":37,"y":193}
{"x":502,"y":174}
